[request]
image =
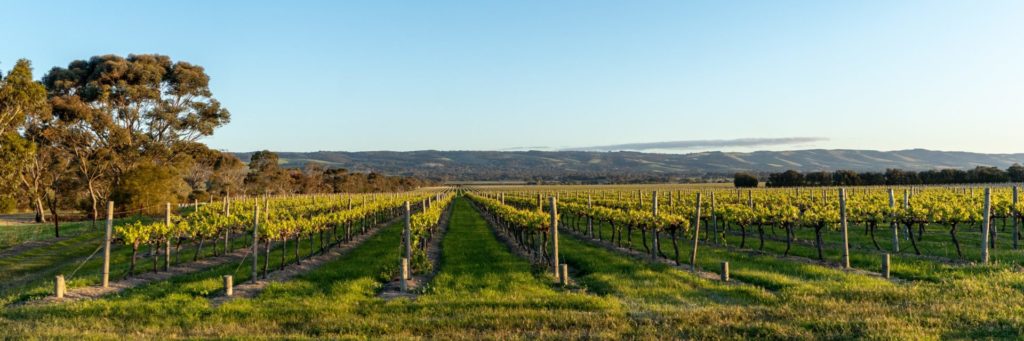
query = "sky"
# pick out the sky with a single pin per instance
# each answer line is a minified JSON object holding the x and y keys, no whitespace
{"x":662,"y":76}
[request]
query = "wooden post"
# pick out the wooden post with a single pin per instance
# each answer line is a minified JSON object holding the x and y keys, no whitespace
{"x":892,"y":223}
{"x":906,"y":206}
{"x":845,"y":228}
{"x":405,"y":274}
{"x":564,"y":275}
{"x":590,"y":217}
{"x":696,"y":236}
{"x":407,"y":233}
{"x":256,"y":240}
{"x":106,"y":244}
{"x":554,"y":232}
{"x":725,"y":271}
{"x":1016,"y":219}
{"x":654,"y":229}
{"x":714,"y":220}
{"x":986,"y":225}
{"x":886,"y":265}
{"x":59,"y":289}
{"x":229,"y":285}
{"x":167,"y":242}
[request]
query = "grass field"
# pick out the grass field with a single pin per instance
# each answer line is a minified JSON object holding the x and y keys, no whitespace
{"x":483,"y":291}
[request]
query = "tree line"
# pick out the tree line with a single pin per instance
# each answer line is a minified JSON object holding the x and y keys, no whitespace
{"x":979,"y":174}
{"x":128,"y":129}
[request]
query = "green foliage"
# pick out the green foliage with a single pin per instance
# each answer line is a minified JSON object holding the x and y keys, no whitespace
{"x":150,"y":185}
{"x":744,"y":180}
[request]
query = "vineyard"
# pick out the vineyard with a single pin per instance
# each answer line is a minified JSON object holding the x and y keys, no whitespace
{"x":511,"y":262}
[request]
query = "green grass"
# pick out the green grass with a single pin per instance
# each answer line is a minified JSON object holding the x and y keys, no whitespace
{"x":13,"y":235}
{"x":815,"y":301}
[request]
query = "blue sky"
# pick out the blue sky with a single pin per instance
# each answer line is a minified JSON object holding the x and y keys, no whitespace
{"x":496,"y":75}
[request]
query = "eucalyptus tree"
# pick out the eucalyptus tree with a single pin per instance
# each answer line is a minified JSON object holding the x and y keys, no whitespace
{"x":23,"y":106}
{"x":132,"y":111}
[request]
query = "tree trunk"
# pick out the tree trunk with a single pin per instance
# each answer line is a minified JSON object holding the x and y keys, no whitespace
{"x":871,"y":230}
{"x":675,"y":245}
{"x":760,"y":233}
{"x":643,"y":236}
{"x":199,"y":249}
{"x":789,"y":238}
{"x":95,"y":202}
{"x":40,"y":213}
{"x":153,"y":251}
{"x":818,"y":242}
{"x":56,"y":216}
{"x":952,"y":233}
{"x":298,"y":261}
{"x":135,"y":254}
{"x":743,"y":235}
{"x":913,"y":241}
{"x":629,"y":236}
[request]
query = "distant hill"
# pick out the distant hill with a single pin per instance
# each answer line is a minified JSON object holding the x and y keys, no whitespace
{"x":632,"y":166}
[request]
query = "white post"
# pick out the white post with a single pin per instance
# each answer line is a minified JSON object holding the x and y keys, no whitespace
{"x":696,"y":236}
{"x":843,"y":225}
{"x":255,"y":240}
{"x":167,"y":242}
{"x":1016,"y":223}
{"x":554,"y":232}
{"x":106,"y":244}
{"x":407,"y":234}
{"x":714,"y":220}
{"x":59,"y":287}
{"x":985,"y":226}
{"x":892,"y":223}
{"x":564,"y":275}
{"x":405,"y":274}
{"x":654,"y":229}
{"x":590,"y":219}
{"x":229,"y":285}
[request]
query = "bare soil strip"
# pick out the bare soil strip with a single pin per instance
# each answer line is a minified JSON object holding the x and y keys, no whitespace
{"x":116,"y":286}
{"x":393,"y":289}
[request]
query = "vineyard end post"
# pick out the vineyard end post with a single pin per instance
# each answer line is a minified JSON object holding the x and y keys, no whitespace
{"x":106,"y":244}
{"x":843,"y":225}
{"x":255,"y":240}
{"x":229,"y":285}
{"x":167,"y":241}
{"x":59,"y":288}
{"x":407,"y":233}
{"x":554,"y":232}
{"x":986,"y":225}
{"x":696,"y":235}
